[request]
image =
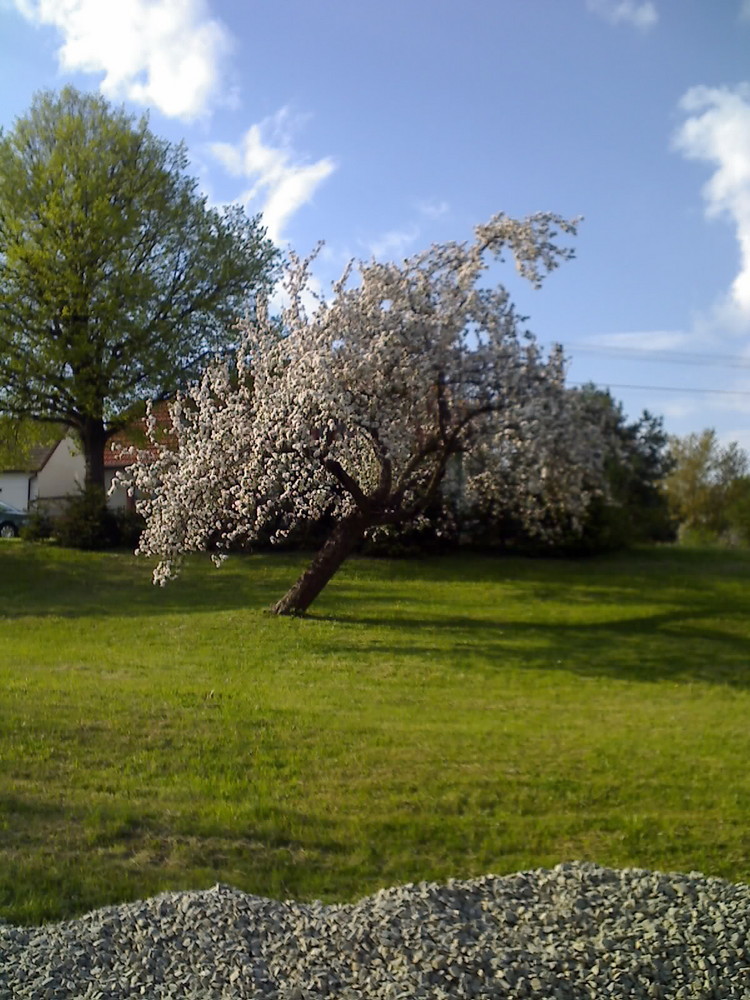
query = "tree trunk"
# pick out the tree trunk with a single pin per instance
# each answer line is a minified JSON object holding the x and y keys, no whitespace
{"x":93,"y":439}
{"x":337,"y":547}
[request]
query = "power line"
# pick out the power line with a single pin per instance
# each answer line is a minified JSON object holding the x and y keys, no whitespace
{"x":670,"y":388}
{"x":664,"y":356}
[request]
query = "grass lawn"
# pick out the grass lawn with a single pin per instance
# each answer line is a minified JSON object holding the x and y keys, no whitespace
{"x":430,"y":718}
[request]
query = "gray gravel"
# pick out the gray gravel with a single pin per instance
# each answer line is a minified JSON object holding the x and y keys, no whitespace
{"x":576,"y":931}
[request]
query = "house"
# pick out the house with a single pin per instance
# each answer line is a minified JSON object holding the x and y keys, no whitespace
{"x":49,"y":475}
{"x":46,"y":477}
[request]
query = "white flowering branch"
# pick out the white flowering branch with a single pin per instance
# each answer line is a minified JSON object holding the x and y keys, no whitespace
{"x":356,"y":411}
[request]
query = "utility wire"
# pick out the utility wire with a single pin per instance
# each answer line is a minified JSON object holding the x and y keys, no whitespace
{"x":663,"y":356}
{"x":669,"y":388}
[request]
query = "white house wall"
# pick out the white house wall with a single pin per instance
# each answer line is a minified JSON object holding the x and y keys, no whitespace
{"x":118,"y":499}
{"x":63,"y":472}
{"x":62,"y":476}
{"x":14,"y":489}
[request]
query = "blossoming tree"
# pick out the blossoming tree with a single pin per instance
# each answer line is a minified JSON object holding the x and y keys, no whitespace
{"x":358,"y":407}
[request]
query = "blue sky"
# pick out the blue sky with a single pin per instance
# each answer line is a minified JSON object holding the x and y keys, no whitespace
{"x":380,"y":127}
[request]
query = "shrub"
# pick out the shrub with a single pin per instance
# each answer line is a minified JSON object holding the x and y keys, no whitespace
{"x":87,"y":523}
{"x":38,"y":527}
{"x":129,"y":526}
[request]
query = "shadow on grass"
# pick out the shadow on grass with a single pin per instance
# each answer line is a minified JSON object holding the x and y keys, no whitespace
{"x":676,"y":645}
{"x":44,"y":580}
{"x":62,"y":860}
{"x":650,"y":615}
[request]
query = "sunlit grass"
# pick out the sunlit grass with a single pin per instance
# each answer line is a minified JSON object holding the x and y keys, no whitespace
{"x":429,"y":719}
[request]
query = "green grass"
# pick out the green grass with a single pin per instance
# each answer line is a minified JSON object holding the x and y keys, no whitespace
{"x":429,"y":719}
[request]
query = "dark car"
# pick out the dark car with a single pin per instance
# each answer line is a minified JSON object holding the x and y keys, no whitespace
{"x":11,"y":520}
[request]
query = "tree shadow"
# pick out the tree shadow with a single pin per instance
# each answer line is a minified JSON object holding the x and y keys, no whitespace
{"x":62,"y":860}
{"x":674,"y":645}
{"x":39,"y":581}
{"x":659,"y":614}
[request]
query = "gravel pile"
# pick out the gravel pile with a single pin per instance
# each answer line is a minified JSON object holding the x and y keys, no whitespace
{"x":576,"y":931}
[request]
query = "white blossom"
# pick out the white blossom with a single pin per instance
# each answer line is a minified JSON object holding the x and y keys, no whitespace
{"x":357,"y":409}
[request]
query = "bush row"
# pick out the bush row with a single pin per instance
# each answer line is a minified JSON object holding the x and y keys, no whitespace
{"x":86,"y":523}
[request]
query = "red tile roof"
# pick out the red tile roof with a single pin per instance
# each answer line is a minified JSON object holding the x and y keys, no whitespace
{"x":117,"y":454}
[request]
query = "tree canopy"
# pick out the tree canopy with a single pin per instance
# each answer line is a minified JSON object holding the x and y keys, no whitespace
{"x":117,"y":281}
{"x":19,"y":439}
{"x":637,"y":458}
{"x":356,"y":410}
{"x":708,"y":487}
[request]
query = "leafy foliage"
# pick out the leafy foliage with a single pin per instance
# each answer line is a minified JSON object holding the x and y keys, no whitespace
{"x":117,"y":282}
{"x":39,"y":526}
{"x":634,"y":507}
{"x":738,"y":509}
{"x":86,"y":522}
{"x":19,"y":438}
{"x":708,"y":488}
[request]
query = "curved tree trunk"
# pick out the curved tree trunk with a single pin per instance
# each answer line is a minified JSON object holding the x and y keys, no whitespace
{"x":340,"y":544}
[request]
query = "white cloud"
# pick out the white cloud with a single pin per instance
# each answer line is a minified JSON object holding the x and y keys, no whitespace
{"x":745,"y":10}
{"x":641,"y":15}
{"x":393,"y":244}
{"x":163,"y":53}
{"x":644,"y":340}
{"x":717,"y":130}
{"x":676,"y":409}
{"x":436,"y":209}
{"x":280,"y":183}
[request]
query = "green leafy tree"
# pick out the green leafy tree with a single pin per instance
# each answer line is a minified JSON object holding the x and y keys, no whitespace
{"x":738,"y":510}
{"x":20,"y":438}
{"x":705,"y":488}
{"x":634,"y":507}
{"x":117,"y":281}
